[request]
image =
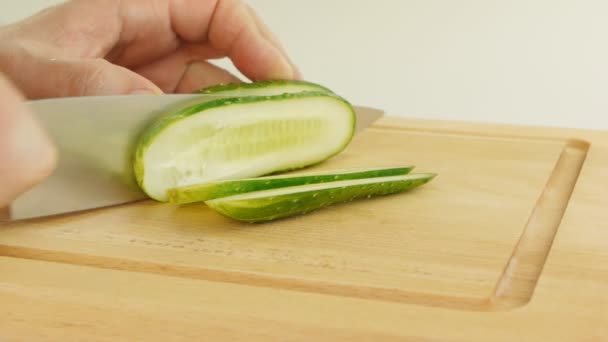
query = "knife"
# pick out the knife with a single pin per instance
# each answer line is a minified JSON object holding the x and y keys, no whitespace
{"x":95,"y":136}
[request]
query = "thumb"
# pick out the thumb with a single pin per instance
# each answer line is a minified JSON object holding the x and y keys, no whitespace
{"x":27,"y":155}
{"x":90,"y":77}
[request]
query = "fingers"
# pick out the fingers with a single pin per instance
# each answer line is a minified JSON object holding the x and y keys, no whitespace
{"x":62,"y":76}
{"x":94,"y":77}
{"x":268,"y":34}
{"x":186,"y":71}
{"x":42,"y":71}
{"x":188,"y":77}
{"x":139,"y":34}
{"x":85,"y":29}
{"x":200,"y":75}
{"x":236,"y":32}
{"x":27,"y":155}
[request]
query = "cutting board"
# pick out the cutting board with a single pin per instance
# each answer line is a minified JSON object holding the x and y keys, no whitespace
{"x":509,"y":242}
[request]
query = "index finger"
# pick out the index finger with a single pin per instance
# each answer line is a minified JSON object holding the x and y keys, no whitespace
{"x":233,"y":29}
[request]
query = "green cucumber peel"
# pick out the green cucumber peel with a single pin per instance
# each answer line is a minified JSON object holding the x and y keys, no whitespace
{"x":264,"y":88}
{"x":209,"y":191}
{"x":268,"y":205}
{"x":241,"y":137}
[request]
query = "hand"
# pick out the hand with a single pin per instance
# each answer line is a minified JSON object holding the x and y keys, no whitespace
{"x":26,"y":153}
{"x":101,"y":47}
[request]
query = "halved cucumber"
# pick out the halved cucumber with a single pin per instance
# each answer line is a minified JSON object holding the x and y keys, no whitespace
{"x":264,"y":88}
{"x":241,"y":137}
{"x":266,"y":205}
{"x":209,"y":191}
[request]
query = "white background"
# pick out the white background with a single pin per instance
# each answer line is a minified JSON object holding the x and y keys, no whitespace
{"x":541,"y":62}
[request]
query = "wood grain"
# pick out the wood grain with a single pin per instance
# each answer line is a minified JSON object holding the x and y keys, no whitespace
{"x":510,"y":241}
{"x":386,"y":248}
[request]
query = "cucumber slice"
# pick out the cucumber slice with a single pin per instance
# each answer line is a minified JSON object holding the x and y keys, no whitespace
{"x":240,"y":138}
{"x":264,"y":88}
{"x":209,"y":191}
{"x":267,"y":205}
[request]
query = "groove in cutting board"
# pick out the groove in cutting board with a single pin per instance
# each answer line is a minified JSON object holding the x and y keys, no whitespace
{"x":514,"y":288}
{"x":249,"y":279}
{"x":516,"y":285}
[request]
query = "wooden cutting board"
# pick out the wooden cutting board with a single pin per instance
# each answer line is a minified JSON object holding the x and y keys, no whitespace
{"x":509,"y":242}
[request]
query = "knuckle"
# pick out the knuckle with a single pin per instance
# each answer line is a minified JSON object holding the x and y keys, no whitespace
{"x":87,"y":79}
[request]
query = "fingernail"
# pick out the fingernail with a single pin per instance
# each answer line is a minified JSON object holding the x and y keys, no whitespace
{"x":282,"y":70}
{"x":297,"y":74}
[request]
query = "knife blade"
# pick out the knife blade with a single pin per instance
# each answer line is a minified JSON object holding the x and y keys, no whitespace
{"x":95,"y":137}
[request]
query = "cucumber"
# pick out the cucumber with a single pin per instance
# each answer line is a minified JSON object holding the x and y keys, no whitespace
{"x":241,"y":137}
{"x":209,"y":191}
{"x":267,"y":205}
{"x":264,"y":88}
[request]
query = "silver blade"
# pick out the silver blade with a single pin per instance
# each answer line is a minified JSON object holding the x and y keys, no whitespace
{"x":95,"y":137}
{"x":366,"y":116}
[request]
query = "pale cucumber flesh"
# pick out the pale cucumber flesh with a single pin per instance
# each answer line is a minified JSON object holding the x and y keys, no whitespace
{"x":209,"y":191}
{"x":216,"y":151}
{"x":242,"y":138}
{"x":267,"y":205}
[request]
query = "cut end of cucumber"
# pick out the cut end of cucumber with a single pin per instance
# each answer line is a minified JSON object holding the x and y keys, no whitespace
{"x":267,"y":205}
{"x":217,"y":151}
{"x":242,"y":137}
